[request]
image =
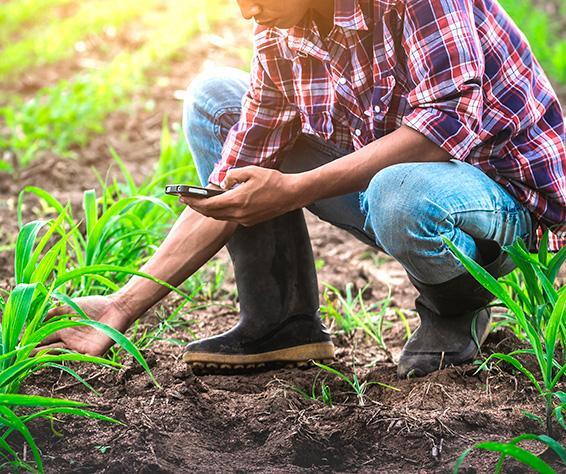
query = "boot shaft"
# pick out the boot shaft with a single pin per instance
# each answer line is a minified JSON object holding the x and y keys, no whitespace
{"x":274,"y":269}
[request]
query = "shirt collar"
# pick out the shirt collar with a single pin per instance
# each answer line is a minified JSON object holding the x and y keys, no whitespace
{"x":305,"y":38}
{"x":349,"y":15}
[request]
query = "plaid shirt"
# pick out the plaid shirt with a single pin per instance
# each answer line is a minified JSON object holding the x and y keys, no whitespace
{"x":457,"y":71}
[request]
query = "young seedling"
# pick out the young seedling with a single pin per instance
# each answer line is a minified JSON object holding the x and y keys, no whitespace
{"x":358,"y":387}
{"x":351,"y":313}
{"x":40,"y":283}
{"x":324,"y":394}
{"x":542,"y":321}
{"x":539,"y":311}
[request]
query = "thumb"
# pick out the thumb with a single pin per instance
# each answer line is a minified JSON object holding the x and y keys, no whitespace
{"x":236,"y":176}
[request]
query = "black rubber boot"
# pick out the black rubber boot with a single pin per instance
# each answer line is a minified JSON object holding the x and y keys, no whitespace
{"x":454,"y":320}
{"x":279,"y":302}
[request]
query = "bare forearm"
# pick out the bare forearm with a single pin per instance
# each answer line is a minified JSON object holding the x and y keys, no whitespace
{"x":192,"y":241}
{"x":353,"y":172}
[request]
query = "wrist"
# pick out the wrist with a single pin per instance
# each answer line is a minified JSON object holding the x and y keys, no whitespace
{"x":303,"y":189}
{"x":127,"y":308}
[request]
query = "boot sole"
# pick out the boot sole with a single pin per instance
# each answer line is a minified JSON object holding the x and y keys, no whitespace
{"x":298,"y":356}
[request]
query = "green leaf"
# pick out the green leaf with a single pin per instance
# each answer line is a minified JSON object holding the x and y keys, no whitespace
{"x":556,"y":263}
{"x":90,"y":211}
{"x":550,"y":442}
{"x":332,"y":370}
{"x":32,"y":263}
{"x":543,"y":249}
{"x":552,"y":329}
{"x":507,"y":449}
{"x":72,"y":411}
{"x":124,"y":343}
{"x":96,"y":234}
{"x":517,"y":364}
{"x":486,"y":280}
{"x":16,"y":424}
{"x":16,"y":399}
{"x":125,"y":172}
{"x":17,"y":309}
{"x":24,"y":248}
{"x":74,"y":374}
{"x":533,"y":417}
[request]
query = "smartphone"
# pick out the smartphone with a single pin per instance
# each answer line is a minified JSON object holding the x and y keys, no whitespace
{"x":191,"y":191}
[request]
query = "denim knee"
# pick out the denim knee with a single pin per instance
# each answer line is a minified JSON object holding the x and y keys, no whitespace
{"x":399,"y":215}
{"x":211,"y":107}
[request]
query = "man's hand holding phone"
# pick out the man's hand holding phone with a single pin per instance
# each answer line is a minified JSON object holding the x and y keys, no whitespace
{"x":250,"y":195}
{"x":187,"y":190}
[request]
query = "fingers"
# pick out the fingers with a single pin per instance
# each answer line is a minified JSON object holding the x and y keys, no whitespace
{"x":224,"y":202}
{"x":59,"y":311}
{"x":48,"y":348}
{"x":52,"y":338}
{"x":237,"y":176}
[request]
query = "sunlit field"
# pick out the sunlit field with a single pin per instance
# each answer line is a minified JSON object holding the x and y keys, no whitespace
{"x":90,"y":133}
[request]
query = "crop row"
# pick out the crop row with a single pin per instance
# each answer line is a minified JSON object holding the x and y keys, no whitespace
{"x":54,"y":41}
{"x":16,"y":14}
{"x":64,"y":116}
{"x":55,"y":262}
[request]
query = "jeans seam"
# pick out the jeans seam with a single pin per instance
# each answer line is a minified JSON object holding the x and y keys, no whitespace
{"x":527,"y":237}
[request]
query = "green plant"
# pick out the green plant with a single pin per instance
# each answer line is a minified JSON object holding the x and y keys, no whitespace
{"x":350,"y":313}
{"x":114,"y":234}
{"x":175,"y":164}
{"x":207,"y":283}
{"x":511,"y":449}
{"x":358,"y":387}
{"x":324,"y":395}
{"x":540,"y":315}
{"x":42,"y":280}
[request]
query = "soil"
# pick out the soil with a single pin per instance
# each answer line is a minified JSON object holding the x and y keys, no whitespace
{"x":258,"y":422}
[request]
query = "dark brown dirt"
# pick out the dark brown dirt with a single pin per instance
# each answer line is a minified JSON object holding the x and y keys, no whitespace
{"x":258,"y":422}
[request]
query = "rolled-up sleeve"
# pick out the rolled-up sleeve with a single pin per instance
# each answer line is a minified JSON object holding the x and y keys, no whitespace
{"x":268,"y":124}
{"x":445,"y":66}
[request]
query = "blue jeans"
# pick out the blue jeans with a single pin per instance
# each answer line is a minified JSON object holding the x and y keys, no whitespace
{"x":406,"y":209}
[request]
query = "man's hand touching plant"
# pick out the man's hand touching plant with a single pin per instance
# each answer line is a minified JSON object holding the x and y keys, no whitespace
{"x":85,"y":339}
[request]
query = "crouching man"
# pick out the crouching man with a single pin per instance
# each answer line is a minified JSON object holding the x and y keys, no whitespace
{"x":402,"y":122}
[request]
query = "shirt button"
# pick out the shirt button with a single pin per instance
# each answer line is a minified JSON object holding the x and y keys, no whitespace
{"x":377,"y":109}
{"x":342,"y":80}
{"x":357,"y":132}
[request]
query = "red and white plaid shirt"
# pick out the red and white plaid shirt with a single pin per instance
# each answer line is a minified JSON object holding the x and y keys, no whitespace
{"x":458,"y":71}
